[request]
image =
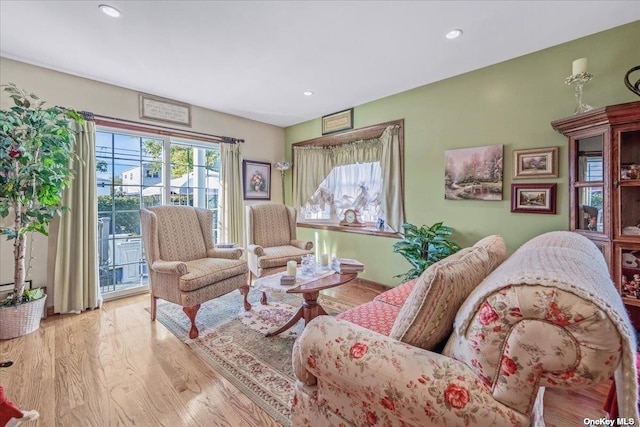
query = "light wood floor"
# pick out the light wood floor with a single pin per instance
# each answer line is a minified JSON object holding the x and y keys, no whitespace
{"x":113,"y":367}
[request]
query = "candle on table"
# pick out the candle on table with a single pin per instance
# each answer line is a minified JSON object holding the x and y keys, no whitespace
{"x":324,"y":260}
{"x":292,"y":267}
{"x":579,"y":66}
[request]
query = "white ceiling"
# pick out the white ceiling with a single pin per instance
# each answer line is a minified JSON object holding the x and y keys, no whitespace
{"x":255,"y":58}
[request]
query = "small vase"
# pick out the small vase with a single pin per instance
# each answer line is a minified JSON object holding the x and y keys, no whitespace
{"x":257,"y":188}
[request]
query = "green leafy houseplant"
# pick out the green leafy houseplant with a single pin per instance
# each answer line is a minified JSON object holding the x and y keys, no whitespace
{"x":36,"y":147}
{"x":423,"y":246}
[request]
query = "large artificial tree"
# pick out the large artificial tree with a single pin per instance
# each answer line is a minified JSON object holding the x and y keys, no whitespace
{"x":36,"y":149}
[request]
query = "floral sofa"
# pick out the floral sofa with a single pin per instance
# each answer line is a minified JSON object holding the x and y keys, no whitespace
{"x":473,"y":341}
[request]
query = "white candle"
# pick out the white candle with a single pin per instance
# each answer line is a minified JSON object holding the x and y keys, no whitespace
{"x":292,"y":268}
{"x":579,"y":66}
{"x":324,"y":260}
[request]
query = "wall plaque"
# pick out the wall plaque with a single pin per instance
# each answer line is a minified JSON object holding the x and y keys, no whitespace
{"x":164,"y":110}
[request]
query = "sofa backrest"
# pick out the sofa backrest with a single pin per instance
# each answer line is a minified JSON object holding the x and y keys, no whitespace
{"x":544,"y":317}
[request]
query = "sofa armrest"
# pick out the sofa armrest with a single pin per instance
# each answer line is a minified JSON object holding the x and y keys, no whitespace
{"x":302,"y":244}
{"x":170,"y":267}
{"x":256,"y":250}
{"x":396,"y":380}
{"x":228,"y":253}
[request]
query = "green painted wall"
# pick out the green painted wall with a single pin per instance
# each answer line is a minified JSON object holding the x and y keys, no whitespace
{"x":511,"y":103}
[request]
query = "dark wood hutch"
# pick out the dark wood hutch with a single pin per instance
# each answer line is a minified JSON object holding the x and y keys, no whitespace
{"x":604,"y":190}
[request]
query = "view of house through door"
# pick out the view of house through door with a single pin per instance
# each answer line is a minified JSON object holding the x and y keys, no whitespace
{"x":135,"y":171}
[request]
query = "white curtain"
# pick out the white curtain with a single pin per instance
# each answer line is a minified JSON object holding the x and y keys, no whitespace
{"x":231,"y":213}
{"x":320,"y":174}
{"x":76,"y":273}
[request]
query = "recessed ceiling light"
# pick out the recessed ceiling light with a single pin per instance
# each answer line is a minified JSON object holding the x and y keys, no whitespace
{"x":110,"y":10}
{"x":453,"y":34}
{"x":307,"y":93}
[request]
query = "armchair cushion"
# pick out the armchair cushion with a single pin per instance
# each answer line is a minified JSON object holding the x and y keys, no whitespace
{"x":277,"y":256}
{"x":426,"y":318}
{"x":205,"y":271}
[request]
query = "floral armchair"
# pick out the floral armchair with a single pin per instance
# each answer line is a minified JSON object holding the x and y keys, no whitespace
{"x":548,"y":316}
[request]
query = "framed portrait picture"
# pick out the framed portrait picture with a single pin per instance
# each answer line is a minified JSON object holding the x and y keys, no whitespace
{"x":536,"y":163}
{"x":256,"y":180}
{"x":533,"y":198}
{"x":337,"y":122}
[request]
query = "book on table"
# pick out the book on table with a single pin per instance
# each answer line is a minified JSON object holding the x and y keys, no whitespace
{"x":347,"y":265}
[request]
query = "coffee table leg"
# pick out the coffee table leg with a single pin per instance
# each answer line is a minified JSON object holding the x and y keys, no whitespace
{"x":309,"y":310}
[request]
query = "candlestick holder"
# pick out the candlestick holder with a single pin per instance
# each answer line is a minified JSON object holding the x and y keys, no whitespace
{"x":578,"y":81}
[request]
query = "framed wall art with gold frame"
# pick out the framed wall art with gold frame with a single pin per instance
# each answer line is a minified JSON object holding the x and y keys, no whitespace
{"x":535,"y":163}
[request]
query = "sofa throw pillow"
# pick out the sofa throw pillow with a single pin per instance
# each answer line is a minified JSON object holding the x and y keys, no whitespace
{"x":426,"y":318}
{"x":496,"y":248}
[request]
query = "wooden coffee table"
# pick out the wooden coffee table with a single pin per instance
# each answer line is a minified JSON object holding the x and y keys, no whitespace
{"x":310,"y":308}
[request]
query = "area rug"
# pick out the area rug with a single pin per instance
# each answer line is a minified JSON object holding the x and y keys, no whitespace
{"x":232,"y":341}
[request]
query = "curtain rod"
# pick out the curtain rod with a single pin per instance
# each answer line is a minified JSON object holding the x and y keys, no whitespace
{"x":163,"y":130}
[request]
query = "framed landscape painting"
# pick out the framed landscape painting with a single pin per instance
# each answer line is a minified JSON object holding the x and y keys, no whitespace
{"x":536,"y":163}
{"x":473,"y":173}
{"x":256,"y":180}
{"x":533,"y":198}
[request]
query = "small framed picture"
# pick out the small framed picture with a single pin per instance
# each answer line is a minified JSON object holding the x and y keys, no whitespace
{"x":256,"y":180}
{"x":337,"y":122}
{"x":533,"y":198}
{"x":536,"y":163}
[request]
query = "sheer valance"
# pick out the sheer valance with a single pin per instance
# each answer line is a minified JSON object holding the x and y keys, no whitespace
{"x":317,"y":163}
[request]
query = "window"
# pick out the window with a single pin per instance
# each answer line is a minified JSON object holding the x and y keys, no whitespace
{"x":345,"y":171}
{"x":358,"y":184}
{"x":134,"y":171}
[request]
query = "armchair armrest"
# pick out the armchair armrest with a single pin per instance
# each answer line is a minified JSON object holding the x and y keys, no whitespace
{"x":398,"y":381}
{"x":228,"y":253}
{"x":257,"y":250}
{"x":302,"y":244}
{"x":169,"y":267}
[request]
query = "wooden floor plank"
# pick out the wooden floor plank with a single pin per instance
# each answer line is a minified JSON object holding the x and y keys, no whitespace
{"x":114,"y":367}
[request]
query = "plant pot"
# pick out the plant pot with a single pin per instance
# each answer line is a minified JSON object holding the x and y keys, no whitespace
{"x":22,"y":319}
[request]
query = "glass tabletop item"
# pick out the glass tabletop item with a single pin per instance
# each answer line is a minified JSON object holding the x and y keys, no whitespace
{"x":308,"y":265}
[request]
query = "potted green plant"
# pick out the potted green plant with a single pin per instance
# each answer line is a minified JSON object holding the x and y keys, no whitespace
{"x":36,"y":147}
{"x":423,"y":246}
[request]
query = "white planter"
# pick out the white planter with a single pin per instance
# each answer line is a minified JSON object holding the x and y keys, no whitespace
{"x":16,"y":321}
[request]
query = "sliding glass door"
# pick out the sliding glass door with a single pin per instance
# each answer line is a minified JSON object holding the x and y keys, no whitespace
{"x":134,"y":171}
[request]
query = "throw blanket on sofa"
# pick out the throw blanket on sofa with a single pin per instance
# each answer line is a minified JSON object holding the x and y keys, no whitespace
{"x":572,"y":263}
